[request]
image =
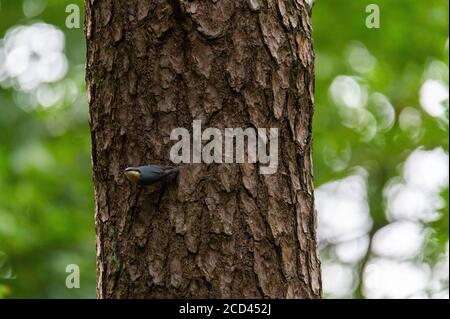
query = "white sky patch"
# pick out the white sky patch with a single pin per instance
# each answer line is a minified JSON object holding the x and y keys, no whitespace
{"x":338,"y":280}
{"x":400,"y":240}
{"x":405,"y":202}
{"x":343,"y":212}
{"x":33,"y":55}
{"x":392,"y":271}
{"x":384,"y":278}
{"x":440,"y":278}
{"x":352,"y":251}
{"x":433,"y":95}
{"x":425,"y":174}
{"x":427,"y":169}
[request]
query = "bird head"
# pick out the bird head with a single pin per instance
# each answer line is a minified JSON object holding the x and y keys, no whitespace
{"x":133,"y":174}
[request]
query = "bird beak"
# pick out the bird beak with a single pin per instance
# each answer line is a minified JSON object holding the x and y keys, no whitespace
{"x":132,"y":175}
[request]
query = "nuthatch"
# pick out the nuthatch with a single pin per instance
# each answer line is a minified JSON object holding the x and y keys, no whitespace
{"x":150,"y":174}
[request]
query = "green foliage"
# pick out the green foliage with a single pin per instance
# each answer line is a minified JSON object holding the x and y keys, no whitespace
{"x":410,"y":47}
{"x":46,"y":198}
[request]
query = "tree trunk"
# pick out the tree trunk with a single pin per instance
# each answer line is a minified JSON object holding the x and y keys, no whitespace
{"x":218,"y":230}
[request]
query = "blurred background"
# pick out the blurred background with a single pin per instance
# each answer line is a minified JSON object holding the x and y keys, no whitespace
{"x":380,"y":150}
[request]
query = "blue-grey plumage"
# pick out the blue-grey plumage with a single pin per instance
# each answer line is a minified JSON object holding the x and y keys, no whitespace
{"x":149,"y":174}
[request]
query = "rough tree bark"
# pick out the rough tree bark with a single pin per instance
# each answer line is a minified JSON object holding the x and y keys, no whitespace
{"x":219,"y":230}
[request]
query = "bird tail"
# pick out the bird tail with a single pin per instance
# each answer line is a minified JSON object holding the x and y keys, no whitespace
{"x":172,"y":170}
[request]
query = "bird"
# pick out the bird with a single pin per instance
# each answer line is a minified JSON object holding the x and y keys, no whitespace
{"x":150,"y":174}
